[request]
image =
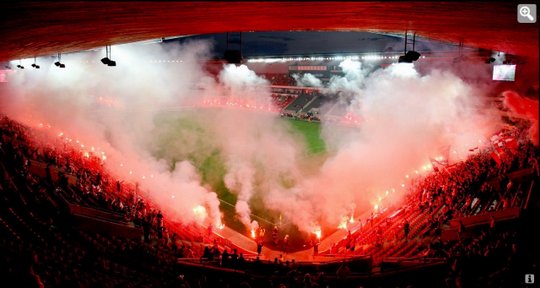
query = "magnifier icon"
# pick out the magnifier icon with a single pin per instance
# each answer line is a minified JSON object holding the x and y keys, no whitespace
{"x":526,"y":12}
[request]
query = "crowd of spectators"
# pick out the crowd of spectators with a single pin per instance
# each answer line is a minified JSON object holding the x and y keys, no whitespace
{"x":280,"y":79}
{"x":56,"y":254}
{"x":480,"y":185}
{"x":490,"y":259}
{"x":39,"y":203}
{"x":309,"y":116}
{"x":42,"y":249}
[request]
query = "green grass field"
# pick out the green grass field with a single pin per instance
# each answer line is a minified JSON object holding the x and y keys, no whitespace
{"x":180,"y":137}
{"x":311,"y":131}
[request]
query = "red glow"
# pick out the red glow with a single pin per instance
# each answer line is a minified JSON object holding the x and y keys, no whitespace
{"x":524,"y":108}
{"x":318,"y":233}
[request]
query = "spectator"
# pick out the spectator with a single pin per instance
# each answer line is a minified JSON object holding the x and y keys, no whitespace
{"x":406,"y":229}
{"x":225,"y":258}
{"x":259,"y":247}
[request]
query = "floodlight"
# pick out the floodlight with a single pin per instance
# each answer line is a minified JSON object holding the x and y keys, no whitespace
{"x":58,"y":63}
{"x":107,"y":59}
{"x":409,"y":57}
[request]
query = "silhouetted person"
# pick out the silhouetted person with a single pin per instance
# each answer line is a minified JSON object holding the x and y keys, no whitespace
{"x":146,"y":230}
{"x":406,"y":229}
{"x":241,"y":262}
{"x":225,"y":258}
{"x":259,"y":247}
{"x":234,"y":258}
{"x":207,"y":254}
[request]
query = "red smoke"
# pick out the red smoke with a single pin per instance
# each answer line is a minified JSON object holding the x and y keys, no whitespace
{"x":524,"y":108}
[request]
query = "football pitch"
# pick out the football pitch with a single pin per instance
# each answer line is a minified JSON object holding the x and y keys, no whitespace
{"x":180,"y":136}
{"x":311,"y":131}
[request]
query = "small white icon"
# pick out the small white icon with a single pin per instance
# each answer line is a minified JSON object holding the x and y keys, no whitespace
{"x":529,"y":278}
{"x":526,"y":12}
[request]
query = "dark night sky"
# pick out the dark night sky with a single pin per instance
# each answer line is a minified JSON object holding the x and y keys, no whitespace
{"x":314,"y":43}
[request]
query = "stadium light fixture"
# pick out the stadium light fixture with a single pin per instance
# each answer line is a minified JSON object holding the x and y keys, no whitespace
{"x":58,"y":63}
{"x":20,"y":66}
{"x":34,"y":64}
{"x":107,"y":59}
{"x":409,"y":57}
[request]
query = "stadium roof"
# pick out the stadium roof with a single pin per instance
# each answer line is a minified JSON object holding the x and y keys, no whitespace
{"x":46,"y":28}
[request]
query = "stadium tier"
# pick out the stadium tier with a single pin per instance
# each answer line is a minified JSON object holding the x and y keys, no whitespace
{"x":61,"y":214}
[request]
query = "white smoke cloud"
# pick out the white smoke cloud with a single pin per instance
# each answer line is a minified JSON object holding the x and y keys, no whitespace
{"x":242,"y":81}
{"x":351,"y":82}
{"x":114,"y":108}
{"x":307,"y":80}
{"x":407,"y":117}
{"x":258,"y":153}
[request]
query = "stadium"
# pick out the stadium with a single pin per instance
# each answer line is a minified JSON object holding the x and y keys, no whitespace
{"x":269,"y":144}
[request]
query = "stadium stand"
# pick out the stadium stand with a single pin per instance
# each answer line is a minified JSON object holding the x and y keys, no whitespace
{"x":66,"y":223}
{"x":299,"y":103}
